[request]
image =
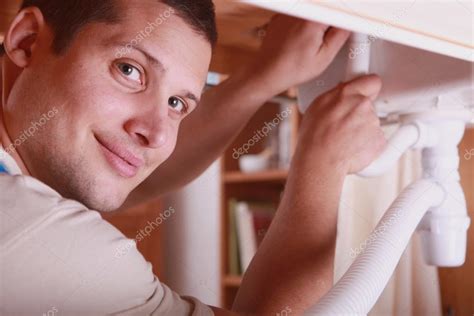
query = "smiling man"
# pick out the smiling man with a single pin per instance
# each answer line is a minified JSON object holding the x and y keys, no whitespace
{"x":105,"y":86}
{"x":107,"y":106}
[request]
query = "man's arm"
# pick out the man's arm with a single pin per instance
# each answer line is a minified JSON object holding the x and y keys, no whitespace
{"x":293,"y":267}
{"x":292,"y":52}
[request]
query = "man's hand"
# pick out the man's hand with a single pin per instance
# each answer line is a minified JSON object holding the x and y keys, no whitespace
{"x":295,"y":51}
{"x":342,"y":127}
{"x":340,"y":134}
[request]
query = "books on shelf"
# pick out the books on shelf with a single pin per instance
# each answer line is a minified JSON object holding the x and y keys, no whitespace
{"x":233,"y":251}
{"x":246,"y":237}
{"x":248,"y":223}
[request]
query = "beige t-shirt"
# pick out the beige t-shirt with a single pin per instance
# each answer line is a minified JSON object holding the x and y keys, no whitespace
{"x":59,"y":258}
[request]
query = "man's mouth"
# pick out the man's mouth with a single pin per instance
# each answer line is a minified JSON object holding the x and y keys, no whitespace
{"x":120,"y":159}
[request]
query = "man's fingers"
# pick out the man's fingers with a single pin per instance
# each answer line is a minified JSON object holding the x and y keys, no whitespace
{"x":333,"y":41}
{"x":368,"y":85}
{"x":323,"y":28}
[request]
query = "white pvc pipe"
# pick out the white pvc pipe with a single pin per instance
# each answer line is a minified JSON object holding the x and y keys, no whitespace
{"x":358,"y":63}
{"x":359,"y":288}
{"x":402,"y":140}
{"x":443,"y":230}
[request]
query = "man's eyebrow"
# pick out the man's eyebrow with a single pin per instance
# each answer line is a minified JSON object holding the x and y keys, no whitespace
{"x":152,"y":60}
{"x":192,"y":97}
{"x":126,"y":47}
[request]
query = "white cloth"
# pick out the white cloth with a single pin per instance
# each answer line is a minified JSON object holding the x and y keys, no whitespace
{"x":9,"y":162}
{"x":414,"y":286}
{"x":57,"y":256}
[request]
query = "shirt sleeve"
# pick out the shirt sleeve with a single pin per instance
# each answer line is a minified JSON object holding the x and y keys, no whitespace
{"x":59,"y":256}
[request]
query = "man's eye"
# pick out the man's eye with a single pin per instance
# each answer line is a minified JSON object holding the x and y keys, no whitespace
{"x":177,"y":104}
{"x":131,"y":72}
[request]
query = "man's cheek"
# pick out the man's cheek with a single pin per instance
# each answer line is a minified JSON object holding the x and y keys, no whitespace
{"x":169,"y":150}
{"x":172,"y":142}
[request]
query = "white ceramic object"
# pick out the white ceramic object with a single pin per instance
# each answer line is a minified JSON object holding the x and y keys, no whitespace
{"x":254,"y":163}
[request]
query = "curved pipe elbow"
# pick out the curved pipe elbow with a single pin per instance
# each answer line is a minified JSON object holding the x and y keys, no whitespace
{"x":406,"y":137}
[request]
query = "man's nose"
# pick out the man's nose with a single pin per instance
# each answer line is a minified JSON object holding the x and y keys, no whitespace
{"x":150,"y":129}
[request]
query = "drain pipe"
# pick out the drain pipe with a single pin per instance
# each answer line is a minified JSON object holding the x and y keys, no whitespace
{"x":435,"y":205}
{"x":360,"y":287}
{"x":410,"y":135}
{"x":359,"y":56}
{"x":443,"y":230}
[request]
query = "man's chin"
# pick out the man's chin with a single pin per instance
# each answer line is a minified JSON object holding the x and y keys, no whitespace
{"x":104,"y":204}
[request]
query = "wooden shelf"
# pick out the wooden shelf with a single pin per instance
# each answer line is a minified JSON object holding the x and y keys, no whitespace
{"x":260,"y":187}
{"x":232,"y":280}
{"x":262,"y":176}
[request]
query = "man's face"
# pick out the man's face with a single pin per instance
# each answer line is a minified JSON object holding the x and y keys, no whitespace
{"x":107,"y":111}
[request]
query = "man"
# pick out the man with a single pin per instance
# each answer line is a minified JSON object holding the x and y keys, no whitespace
{"x":90,"y":109}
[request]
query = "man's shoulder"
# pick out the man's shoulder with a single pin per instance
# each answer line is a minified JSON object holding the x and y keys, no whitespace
{"x":58,"y":255}
{"x":26,"y":201}
{"x":21,"y":190}
{"x":32,"y":208}
{"x":48,"y":242}
{"x":23,"y":202}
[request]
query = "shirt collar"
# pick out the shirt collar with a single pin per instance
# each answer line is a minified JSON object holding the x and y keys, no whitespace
{"x":8,"y":164}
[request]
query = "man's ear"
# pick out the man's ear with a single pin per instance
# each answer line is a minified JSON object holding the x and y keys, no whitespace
{"x":22,"y":35}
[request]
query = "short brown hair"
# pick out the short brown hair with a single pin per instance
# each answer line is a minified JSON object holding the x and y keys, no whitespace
{"x":67,"y":17}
